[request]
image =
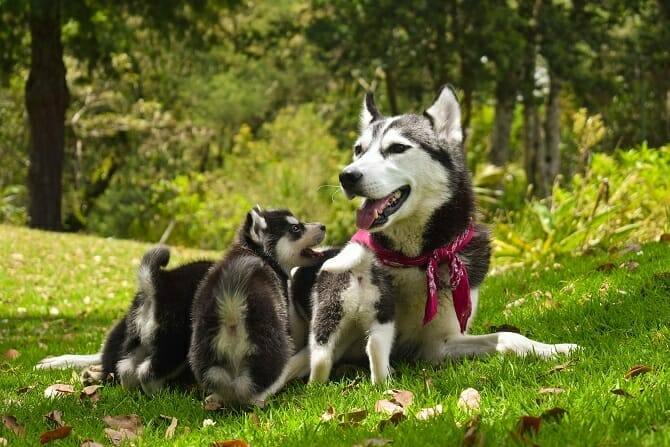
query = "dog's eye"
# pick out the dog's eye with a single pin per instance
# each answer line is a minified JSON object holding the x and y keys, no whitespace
{"x":397,"y":148}
{"x":294,"y":229}
{"x":358,"y":149}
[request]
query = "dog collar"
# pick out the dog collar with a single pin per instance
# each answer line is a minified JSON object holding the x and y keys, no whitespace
{"x":459,"y":281}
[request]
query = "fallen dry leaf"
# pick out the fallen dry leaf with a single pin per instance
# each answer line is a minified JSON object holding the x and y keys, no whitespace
{"x":394,"y":419}
{"x":426,"y":413}
{"x":11,"y":423}
{"x":373,"y":442}
{"x":90,"y":392}
{"x":636,"y":371}
{"x":606,"y":267}
{"x":208,"y":423}
{"x":58,"y":390}
{"x":504,"y":328}
{"x":388,"y":407}
{"x":528,"y":424}
{"x":560,"y":367}
{"x":473,"y":437}
{"x":553,"y":414}
{"x":12,"y":354}
{"x":212,"y":405}
{"x":169,"y":432}
{"x":403,"y":398}
{"x":551,"y":390}
{"x":25,"y":389}
{"x":469,"y":400}
{"x":55,"y":417}
{"x":58,"y":433}
{"x":352,"y":418}
{"x":90,"y":443}
{"x":116,"y":437}
{"x":631,"y":266}
{"x":130,"y":422}
{"x":329,"y":414}
{"x":230,"y":443}
{"x":665,"y":237}
{"x":620,"y":392}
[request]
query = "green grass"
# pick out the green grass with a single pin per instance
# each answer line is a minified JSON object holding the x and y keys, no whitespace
{"x":620,"y":317}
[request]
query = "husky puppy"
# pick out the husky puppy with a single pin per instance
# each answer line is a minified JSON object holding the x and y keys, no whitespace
{"x":241,"y":338}
{"x":148,"y":347}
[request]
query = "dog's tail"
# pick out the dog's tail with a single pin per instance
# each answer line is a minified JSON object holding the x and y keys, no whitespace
{"x":151,"y":264}
{"x":69,"y":361}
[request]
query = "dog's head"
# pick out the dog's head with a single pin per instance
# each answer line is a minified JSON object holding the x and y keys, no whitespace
{"x":284,"y":238}
{"x":405,"y":166}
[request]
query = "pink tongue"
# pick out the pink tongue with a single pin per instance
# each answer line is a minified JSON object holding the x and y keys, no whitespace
{"x":365,"y":216}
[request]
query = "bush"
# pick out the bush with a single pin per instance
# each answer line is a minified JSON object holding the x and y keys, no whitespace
{"x":622,"y":197}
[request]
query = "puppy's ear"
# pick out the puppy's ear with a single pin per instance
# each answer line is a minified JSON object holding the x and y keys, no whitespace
{"x":445,"y":116}
{"x":257,"y":224}
{"x":369,"y":112}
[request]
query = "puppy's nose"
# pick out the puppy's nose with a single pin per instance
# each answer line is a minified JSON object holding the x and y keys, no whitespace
{"x":322,"y":227}
{"x":349,"y":178}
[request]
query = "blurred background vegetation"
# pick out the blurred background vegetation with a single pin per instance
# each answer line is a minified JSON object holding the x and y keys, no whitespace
{"x":172,"y":118}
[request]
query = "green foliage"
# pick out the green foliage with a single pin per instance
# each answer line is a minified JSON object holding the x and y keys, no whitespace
{"x":623,"y":197}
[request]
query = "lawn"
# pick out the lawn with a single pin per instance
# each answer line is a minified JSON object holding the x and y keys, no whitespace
{"x":59,"y":293}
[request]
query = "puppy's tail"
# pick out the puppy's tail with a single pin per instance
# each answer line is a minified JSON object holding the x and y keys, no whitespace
{"x":152,"y":261}
{"x":232,"y":292}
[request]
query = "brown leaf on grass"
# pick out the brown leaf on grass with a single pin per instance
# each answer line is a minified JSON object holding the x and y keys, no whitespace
{"x":25,"y":389}
{"x":58,"y":390}
{"x":90,"y":443}
{"x":169,"y":432}
{"x":352,"y":418}
{"x":620,"y":392}
{"x":427,"y":413}
{"x":528,"y":424}
{"x":631,"y":266}
{"x":55,"y":417}
{"x":230,"y":443}
{"x":553,"y":414}
{"x":606,"y":267}
{"x":388,"y":407}
{"x":58,"y":433}
{"x":403,"y":398}
{"x":373,"y":442}
{"x":504,"y":328}
{"x":212,"y":405}
{"x":12,"y":354}
{"x":473,"y":437}
{"x":116,"y":437}
{"x":394,"y":419}
{"x":12,"y":424}
{"x":469,"y":400}
{"x":90,"y":392}
{"x":329,"y":414}
{"x":665,"y":237}
{"x":560,"y":367}
{"x":551,"y":390}
{"x":636,"y":371}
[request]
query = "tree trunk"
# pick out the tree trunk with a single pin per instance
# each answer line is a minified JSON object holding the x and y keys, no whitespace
{"x":46,"y":101}
{"x":551,"y":163}
{"x":502,"y":124}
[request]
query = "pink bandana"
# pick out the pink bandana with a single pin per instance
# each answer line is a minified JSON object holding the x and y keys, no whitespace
{"x":459,"y":282}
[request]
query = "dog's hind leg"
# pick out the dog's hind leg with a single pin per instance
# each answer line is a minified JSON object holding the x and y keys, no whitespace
{"x":378,"y":349}
{"x":69,"y":361}
{"x":502,"y":342}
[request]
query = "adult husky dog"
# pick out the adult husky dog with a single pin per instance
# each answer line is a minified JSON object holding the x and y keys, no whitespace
{"x":411,"y":171}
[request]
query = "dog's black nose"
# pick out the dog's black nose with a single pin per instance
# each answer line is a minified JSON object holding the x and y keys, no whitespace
{"x":349,"y":178}
{"x":322,"y":227}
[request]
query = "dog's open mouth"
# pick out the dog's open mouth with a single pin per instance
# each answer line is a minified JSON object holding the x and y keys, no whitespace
{"x":310,"y":253}
{"x":376,"y":212}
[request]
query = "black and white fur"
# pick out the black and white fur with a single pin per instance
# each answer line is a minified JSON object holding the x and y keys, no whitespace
{"x":420,"y":159}
{"x":148,"y":347}
{"x":241,"y":337}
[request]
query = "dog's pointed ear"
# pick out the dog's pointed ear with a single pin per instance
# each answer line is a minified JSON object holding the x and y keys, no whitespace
{"x":445,"y":116}
{"x":369,"y":112}
{"x":256,"y":224}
